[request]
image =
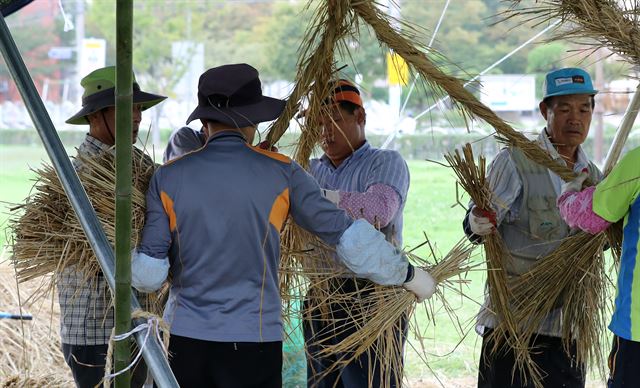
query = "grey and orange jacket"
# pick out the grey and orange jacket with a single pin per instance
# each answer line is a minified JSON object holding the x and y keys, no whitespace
{"x":217,"y":213}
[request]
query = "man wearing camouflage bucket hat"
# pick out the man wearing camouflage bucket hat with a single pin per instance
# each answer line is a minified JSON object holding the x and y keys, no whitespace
{"x":86,"y":315}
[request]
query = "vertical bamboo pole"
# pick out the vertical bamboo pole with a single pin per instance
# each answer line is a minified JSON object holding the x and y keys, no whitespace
{"x":124,"y":105}
{"x":152,"y":351}
{"x":623,"y":133}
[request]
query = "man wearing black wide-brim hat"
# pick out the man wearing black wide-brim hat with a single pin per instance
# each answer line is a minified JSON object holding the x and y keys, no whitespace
{"x":213,"y":220}
{"x":86,"y":315}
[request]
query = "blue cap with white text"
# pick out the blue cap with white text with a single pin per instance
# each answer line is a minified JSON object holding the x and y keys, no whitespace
{"x":567,"y":81}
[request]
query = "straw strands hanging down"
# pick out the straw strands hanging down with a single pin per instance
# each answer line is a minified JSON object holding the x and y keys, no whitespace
{"x":30,"y":353}
{"x":330,"y":24}
{"x":614,"y":24}
{"x":472,"y":179}
{"x":380,"y":313}
{"x":573,"y":277}
{"x":591,"y":248}
{"x":308,"y":269}
{"x":46,"y":234}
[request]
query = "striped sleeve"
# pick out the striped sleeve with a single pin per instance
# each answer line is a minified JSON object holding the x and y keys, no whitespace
{"x":390,"y":169}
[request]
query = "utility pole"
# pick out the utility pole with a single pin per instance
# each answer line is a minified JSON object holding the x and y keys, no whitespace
{"x":79,"y":26}
{"x":395,"y":89}
{"x":599,"y":109}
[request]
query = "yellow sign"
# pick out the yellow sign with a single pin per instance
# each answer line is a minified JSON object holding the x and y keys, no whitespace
{"x":397,"y":70}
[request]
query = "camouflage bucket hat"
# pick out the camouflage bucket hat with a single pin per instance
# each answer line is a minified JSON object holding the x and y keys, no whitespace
{"x":99,"y":92}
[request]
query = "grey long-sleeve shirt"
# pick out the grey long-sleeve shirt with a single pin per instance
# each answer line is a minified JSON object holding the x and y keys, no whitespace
{"x":217,"y":213}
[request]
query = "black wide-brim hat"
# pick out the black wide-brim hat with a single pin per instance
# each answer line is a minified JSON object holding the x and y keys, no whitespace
{"x":232,"y":95}
{"x":99,"y":93}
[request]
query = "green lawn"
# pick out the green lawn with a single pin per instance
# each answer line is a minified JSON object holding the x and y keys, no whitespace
{"x":431,"y":209}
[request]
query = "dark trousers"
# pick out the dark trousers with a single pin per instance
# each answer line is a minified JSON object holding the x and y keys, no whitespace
{"x":208,"y":364}
{"x":624,"y":363}
{"x":87,"y":365}
{"x":364,"y":371}
{"x":558,"y":368}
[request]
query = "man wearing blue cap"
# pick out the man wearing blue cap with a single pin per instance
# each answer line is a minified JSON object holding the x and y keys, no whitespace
{"x":525,"y":214}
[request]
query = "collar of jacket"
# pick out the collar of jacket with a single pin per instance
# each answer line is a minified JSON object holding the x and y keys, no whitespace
{"x":227,"y":135}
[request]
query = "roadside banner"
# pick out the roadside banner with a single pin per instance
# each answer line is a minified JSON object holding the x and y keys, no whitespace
{"x":397,"y":70}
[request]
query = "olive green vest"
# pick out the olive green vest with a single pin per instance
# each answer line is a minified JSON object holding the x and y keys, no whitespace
{"x":537,"y":231}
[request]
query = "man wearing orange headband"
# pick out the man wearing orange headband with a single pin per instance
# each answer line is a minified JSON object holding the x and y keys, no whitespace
{"x":367,"y":183}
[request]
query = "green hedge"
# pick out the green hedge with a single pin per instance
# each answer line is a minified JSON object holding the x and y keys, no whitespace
{"x":430,"y":146}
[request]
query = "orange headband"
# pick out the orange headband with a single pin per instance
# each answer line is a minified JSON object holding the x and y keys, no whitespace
{"x":346,"y":91}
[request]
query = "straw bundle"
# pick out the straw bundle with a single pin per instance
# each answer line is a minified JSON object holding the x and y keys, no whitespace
{"x":47,"y":236}
{"x":380,"y":313}
{"x":307,"y":266}
{"x":30,"y":355}
{"x":597,"y":23}
{"x":309,"y":276}
{"x":471,"y":177}
{"x":331,"y":23}
{"x":573,"y":277}
{"x":613,"y":24}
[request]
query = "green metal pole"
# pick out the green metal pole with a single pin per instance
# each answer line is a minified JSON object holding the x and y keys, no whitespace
{"x":124,"y":105}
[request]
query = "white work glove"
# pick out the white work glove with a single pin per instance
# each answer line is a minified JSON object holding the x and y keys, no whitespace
{"x":482,"y":222}
{"x":576,"y":184}
{"x":332,"y":195}
{"x":422,"y":284}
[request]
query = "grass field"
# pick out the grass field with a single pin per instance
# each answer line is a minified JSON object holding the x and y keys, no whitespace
{"x":431,"y":209}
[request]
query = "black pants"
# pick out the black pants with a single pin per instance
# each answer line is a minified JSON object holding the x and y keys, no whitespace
{"x":207,"y":364}
{"x":558,"y":368}
{"x":87,"y":365}
{"x":624,"y":363}
{"x":364,"y":371}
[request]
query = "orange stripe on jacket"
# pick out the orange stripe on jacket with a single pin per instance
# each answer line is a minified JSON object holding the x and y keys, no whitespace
{"x":271,"y":154}
{"x":167,"y":204}
{"x":280,"y":210}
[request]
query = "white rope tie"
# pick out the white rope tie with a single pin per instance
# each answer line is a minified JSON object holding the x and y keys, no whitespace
{"x":153,"y":323}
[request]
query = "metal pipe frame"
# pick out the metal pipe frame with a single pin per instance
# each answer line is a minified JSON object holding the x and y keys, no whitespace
{"x":153,"y":352}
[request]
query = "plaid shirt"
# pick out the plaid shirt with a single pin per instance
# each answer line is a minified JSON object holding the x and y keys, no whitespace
{"x":86,"y":311}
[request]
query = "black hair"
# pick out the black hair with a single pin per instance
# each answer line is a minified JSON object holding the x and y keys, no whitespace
{"x":549,"y":100}
{"x":349,"y":106}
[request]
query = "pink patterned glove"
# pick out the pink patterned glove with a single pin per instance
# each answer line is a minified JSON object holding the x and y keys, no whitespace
{"x":576,"y":209}
{"x":378,"y":204}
